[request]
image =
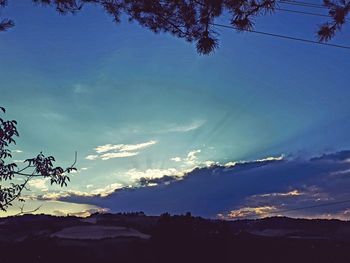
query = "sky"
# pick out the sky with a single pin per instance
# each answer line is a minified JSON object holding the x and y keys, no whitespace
{"x":136,"y":104}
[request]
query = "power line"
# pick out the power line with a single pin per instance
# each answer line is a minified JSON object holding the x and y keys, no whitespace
{"x":301,"y":12}
{"x":310,"y":207}
{"x":284,"y":37}
{"x":298,"y":208}
{"x":300,"y":3}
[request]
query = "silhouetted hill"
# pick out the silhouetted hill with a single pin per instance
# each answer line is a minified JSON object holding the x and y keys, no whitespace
{"x":134,"y":237}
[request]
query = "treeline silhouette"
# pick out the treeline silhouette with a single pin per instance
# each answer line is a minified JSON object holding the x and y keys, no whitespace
{"x":176,"y":238}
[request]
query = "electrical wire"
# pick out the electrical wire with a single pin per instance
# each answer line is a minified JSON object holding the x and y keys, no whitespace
{"x":284,"y":36}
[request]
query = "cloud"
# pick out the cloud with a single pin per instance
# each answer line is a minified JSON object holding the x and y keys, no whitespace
{"x":166,"y":180}
{"x":271,"y":158}
{"x":176,"y":159}
{"x":190,"y":159}
{"x":263,"y":187}
{"x":264,"y":160}
{"x":79,"y":89}
{"x":107,"y":156}
{"x":338,"y":156}
{"x":210,"y":163}
{"x":139,"y":178}
{"x":40,"y":184}
{"x":53,"y":116}
{"x":91,"y":157}
{"x":157,"y":128}
{"x":110,"y":151}
{"x":290,"y":193}
{"x":123,"y":147}
{"x":105,"y":191}
{"x":183,"y":128}
{"x":136,"y":175}
{"x":245,"y":212}
{"x":97,"y":192}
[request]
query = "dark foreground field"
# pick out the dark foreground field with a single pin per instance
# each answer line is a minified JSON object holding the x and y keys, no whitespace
{"x":139,"y":238}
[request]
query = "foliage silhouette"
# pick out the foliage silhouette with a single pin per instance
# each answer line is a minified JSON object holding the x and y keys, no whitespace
{"x":193,"y":20}
{"x":39,"y":166}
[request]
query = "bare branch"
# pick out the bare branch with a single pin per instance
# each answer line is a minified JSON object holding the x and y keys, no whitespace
{"x":22,"y":212}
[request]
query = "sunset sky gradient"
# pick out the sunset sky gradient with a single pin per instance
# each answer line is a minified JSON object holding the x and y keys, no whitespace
{"x":135,"y":104}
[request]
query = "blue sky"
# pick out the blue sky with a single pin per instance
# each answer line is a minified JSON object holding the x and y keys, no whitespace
{"x":76,"y":83}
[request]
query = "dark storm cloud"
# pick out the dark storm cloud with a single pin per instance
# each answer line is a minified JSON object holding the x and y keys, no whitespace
{"x":260,"y":188}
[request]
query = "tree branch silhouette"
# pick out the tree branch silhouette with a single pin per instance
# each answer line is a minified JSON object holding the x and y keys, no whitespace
{"x":22,"y":211}
{"x":338,"y":11}
{"x":39,"y":166}
{"x":192,"y":20}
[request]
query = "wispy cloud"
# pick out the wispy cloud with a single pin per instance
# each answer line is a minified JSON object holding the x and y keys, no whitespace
{"x":91,"y":157}
{"x":290,"y":193}
{"x":182,"y":128}
{"x":191,"y":158}
{"x":53,"y":116}
{"x":110,"y":151}
{"x":107,"y":156}
{"x":176,"y":159}
{"x":123,"y":147}
{"x":79,"y":89}
{"x":264,"y":160}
